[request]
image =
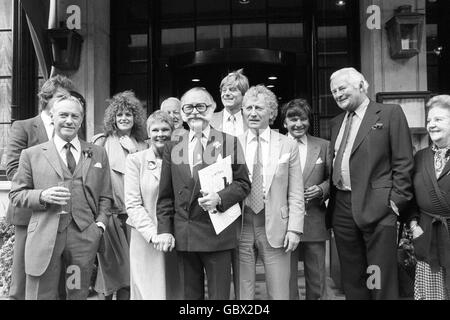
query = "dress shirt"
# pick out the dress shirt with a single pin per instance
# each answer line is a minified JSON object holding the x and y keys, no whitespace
{"x":48,"y":124}
{"x":250,"y":151}
{"x":235,"y":129}
{"x":75,"y":149}
{"x":356,"y":122}
{"x":193,"y":142}
{"x":302,"y":148}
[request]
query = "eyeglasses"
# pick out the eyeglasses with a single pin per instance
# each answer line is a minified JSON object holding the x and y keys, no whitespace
{"x":200,"y":107}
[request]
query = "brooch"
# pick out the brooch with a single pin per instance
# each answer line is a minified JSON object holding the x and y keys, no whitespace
{"x":377,"y":126}
{"x":217,"y":144}
{"x":151,"y":165}
{"x":87,"y":153}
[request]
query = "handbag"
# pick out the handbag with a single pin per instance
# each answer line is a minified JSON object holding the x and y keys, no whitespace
{"x":406,"y":262}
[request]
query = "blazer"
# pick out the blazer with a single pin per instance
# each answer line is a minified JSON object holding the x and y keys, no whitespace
{"x":178,"y":211}
{"x":217,"y":121}
{"x":381,"y":164}
{"x":316,"y":172}
{"x":23,"y":134}
{"x":284,"y":202}
{"x":39,"y":169}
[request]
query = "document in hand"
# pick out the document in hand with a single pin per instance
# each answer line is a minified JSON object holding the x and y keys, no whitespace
{"x":213,"y":179}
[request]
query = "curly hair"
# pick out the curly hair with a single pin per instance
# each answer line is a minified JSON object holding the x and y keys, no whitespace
{"x":125,"y":101}
{"x":269,"y":98}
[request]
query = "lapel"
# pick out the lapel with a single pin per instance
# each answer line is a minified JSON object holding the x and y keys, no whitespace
{"x":85,"y":161}
{"x":244,"y":122}
{"x":429,"y":165}
{"x":151,"y":164}
{"x":274,"y":150}
{"x":52,"y":156}
{"x":370,"y":118}
{"x":216,"y":121}
{"x":181,"y":151}
{"x":445,"y":170}
{"x":39,"y":130}
{"x":311,"y":157}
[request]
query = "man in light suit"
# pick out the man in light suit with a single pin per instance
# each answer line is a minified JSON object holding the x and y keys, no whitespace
{"x":315,"y":161}
{"x":68,"y":221}
{"x":25,"y":134}
{"x":232,"y":90}
{"x":182,"y":209}
{"x":274,"y":210}
{"x":370,"y":186}
{"x":173,"y":107}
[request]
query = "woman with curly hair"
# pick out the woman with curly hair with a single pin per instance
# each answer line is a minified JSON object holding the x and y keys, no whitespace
{"x":124,"y":133}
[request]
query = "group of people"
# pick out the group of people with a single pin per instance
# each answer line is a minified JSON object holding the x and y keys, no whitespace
{"x":132,"y":204}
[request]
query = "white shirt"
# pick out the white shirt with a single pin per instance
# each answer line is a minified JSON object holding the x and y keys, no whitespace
{"x":48,"y":124}
{"x":302,"y":148}
{"x":75,"y":149}
{"x":356,"y":123}
{"x":193,"y":142}
{"x":250,"y":151}
{"x":235,"y":128}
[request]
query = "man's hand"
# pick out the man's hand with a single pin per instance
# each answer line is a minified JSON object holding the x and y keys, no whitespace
{"x":209,"y":201}
{"x":291,"y":241}
{"x":55,"y":195}
{"x":163,"y":242}
{"x":313,"y":192}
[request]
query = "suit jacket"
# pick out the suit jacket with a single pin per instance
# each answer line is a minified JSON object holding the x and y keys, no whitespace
{"x":39,"y":169}
{"x":217,"y":121}
{"x":284,"y":202}
{"x":24,"y":134}
{"x":178,"y":211}
{"x":316,"y":172}
{"x":381,"y":164}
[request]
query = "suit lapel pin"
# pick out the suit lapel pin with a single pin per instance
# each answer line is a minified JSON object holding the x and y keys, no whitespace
{"x":151,"y":165}
{"x":377,"y":126}
{"x":87,"y":153}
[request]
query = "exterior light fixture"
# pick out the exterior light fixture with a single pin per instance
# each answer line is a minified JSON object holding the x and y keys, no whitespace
{"x":244,"y":1}
{"x":67,"y":48}
{"x":195,"y":80}
{"x":340,"y":3}
{"x":272,"y":78}
{"x":271,"y":86}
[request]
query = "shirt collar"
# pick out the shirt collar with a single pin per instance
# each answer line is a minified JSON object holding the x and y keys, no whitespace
{"x":46,"y":119}
{"x":60,"y":143}
{"x":361,"y":110}
{"x":303,"y":139}
{"x":227,"y":114}
{"x":265,"y":135}
{"x":205,"y":133}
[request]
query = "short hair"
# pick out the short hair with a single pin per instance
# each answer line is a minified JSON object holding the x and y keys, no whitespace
{"x":442,"y":101}
{"x":166,"y":101}
{"x":269,"y":98}
{"x":125,"y":101}
{"x":50,"y":87}
{"x":75,"y":97}
{"x":236,"y":78}
{"x":296,"y":107}
{"x":161,"y":116}
{"x":353,"y":76}
{"x":198,"y":89}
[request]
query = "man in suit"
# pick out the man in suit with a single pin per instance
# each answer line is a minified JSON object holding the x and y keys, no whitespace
{"x":370,"y":186}
{"x":25,"y":134}
{"x":182,"y":208}
{"x":173,"y":107}
{"x":232,"y":90}
{"x":315,"y":162}
{"x":274,"y":210}
{"x":67,"y":185}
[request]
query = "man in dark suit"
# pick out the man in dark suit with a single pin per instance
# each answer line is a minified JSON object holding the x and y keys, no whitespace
{"x":370,"y":186}
{"x":182,"y":209}
{"x":25,"y":134}
{"x":67,"y":185}
{"x":315,"y":163}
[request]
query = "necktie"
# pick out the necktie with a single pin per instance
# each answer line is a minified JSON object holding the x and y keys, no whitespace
{"x":232,"y":119}
{"x":197,"y":159}
{"x":337,"y":168}
{"x":256,"y":197}
{"x":71,"y":163}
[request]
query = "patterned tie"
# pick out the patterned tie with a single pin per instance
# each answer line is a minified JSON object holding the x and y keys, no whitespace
{"x":197,"y":159}
{"x":71,"y":163}
{"x":337,"y":168}
{"x":256,"y":197}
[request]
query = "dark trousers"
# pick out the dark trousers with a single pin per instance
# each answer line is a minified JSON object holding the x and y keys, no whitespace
{"x":18,"y":276}
{"x":314,"y":268}
{"x":368,"y":257}
{"x":217,"y":265}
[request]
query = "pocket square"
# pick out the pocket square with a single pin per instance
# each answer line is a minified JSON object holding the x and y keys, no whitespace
{"x":284,"y":158}
{"x":319,"y":161}
{"x":98,"y":165}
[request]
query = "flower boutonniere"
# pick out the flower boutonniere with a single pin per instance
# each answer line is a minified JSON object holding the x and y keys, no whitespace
{"x":87,"y":153}
{"x":377,"y":126}
{"x":151,"y":165}
{"x":217,"y":145}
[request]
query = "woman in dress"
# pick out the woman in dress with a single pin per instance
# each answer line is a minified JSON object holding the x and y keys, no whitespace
{"x":430,"y":221}
{"x":124,"y":134}
{"x":154,"y":274}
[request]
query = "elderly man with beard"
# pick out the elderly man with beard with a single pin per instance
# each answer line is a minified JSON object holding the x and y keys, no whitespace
{"x":182,"y":208}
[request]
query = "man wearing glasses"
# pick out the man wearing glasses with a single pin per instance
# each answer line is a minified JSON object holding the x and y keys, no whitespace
{"x":182,"y":208}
